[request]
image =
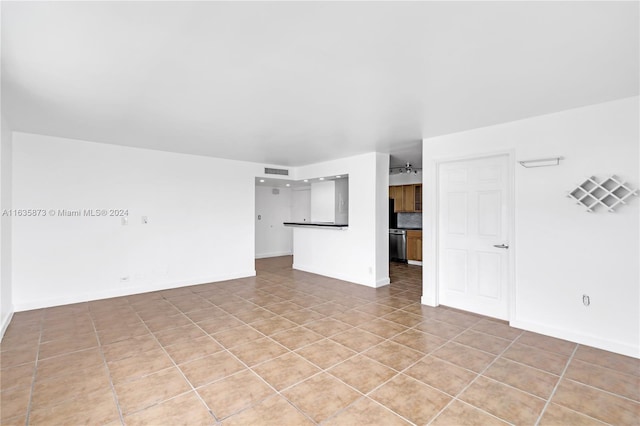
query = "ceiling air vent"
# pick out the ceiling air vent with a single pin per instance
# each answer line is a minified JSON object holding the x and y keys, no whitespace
{"x":268,"y":171}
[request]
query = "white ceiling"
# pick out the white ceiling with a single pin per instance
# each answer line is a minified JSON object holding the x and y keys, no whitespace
{"x":293,"y":83}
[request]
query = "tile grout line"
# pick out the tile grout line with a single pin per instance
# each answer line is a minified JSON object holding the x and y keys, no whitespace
{"x":106,"y":366}
{"x":478,"y":375}
{"x":555,"y":388}
{"x":35,"y":372}
{"x":174,"y":365}
{"x":225,"y":349}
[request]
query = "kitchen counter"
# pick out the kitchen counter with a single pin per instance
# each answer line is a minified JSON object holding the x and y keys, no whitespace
{"x":324,"y":225}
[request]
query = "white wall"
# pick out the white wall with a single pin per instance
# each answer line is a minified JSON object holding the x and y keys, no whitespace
{"x":405,"y":179}
{"x":382,"y":219}
{"x":272,"y":237}
{"x":355,"y":254}
{"x":341,"y":200}
{"x":200,"y":229}
{"x":301,"y":204}
{"x":561,"y":252}
{"x":323,"y":201}
{"x":6,"y":303}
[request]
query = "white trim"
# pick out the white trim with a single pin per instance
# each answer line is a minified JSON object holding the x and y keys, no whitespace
{"x":433,"y":299}
{"x":583,"y":339}
{"x":47,"y":303}
{"x":414,"y":262}
{"x":5,"y":322}
{"x":274,"y":254}
{"x":374,"y":284}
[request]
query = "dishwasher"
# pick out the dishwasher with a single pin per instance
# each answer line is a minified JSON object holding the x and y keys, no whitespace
{"x":398,"y":245}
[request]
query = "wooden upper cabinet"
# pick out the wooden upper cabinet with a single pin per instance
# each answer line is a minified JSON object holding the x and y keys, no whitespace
{"x":418,"y":197}
{"x":396,"y":193}
{"x":408,"y":198}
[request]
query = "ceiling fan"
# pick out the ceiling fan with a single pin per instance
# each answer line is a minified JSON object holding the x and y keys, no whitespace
{"x":407,"y":168}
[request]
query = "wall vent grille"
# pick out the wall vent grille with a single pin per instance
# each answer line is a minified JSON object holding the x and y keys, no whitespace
{"x":269,"y":171}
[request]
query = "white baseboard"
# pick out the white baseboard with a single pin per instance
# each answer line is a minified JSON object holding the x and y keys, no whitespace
{"x":383,"y":281}
{"x":5,"y":322}
{"x":425,"y":300}
{"x":584,"y":339}
{"x":47,"y":303}
{"x":343,"y":277}
{"x":415,"y":262}
{"x":275,"y":254}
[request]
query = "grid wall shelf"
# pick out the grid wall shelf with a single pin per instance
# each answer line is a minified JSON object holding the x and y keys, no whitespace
{"x":609,"y":193}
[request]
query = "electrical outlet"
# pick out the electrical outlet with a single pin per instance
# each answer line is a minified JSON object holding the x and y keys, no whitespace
{"x":586,"y":300}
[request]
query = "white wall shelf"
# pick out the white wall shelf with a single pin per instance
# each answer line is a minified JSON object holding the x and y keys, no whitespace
{"x":609,"y":193}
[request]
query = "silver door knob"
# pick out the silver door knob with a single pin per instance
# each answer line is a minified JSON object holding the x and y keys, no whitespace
{"x":502,"y":246}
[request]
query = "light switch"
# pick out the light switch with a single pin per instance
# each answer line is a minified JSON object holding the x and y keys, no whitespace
{"x":145,"y":220}
{"x":124,"y":220}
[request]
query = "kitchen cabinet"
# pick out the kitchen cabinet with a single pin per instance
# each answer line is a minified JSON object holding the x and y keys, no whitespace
{"x":408,"y":198}
{"x":414,"y":245}
{"x":396,"y":194}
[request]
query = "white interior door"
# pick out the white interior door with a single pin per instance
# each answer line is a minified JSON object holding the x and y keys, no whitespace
{"x":473,"y":255}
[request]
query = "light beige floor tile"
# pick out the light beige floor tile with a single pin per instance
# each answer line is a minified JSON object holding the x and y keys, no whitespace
{"x":18,"y":376}
{"x":483,"y":342}
{"x":557,"y":415}
{"x":321,"y":396}
{"x":273,"y":411}
{"x":497,"y":329}
{"x":184,"y":410}
{"x":393,"y":355}
{"x":365,"y":412}
{"x":139,"y":394}
{"x":411,"y":399}
{"x":362,"y":373}
{"x":210,"y":368}
{"x":547,"y":343}
{"x":14,"y":402}
{"x":597,"y":404}
{"x":528,"y":379}
{"x":383,"y":328}
{"x":129,"y":347}
{"x":48,"y":392}
{"x":325,"y":353}
{"x":460,"y":414}
{"x":63,"y":364}
{"x":543,"y":360}
{"x":419,"y":341}
{"x":193,"y":349}
{"x":621,"y":363}
{"x":286,"y":370}
{"x":138,"y":365}
{"x":74,"y":411}
{"x":234,"y":393}
{"x":357,"y":339}
{"x":237,"y":336}
{"x":177,"y":335}
{"x":327,"y":326}
{"x":295,"y":338}
{"x":603,"y":378}
{"x":440,"y":329}
{"x":441,"y":375}
{"x":258,"y":351}
{"x":509,"y":404}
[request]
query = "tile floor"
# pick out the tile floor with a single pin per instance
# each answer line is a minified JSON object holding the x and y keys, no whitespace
{"x":292,"y":348}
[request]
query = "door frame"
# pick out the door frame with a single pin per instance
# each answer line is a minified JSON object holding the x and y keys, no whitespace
{"x":432,"y":297}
